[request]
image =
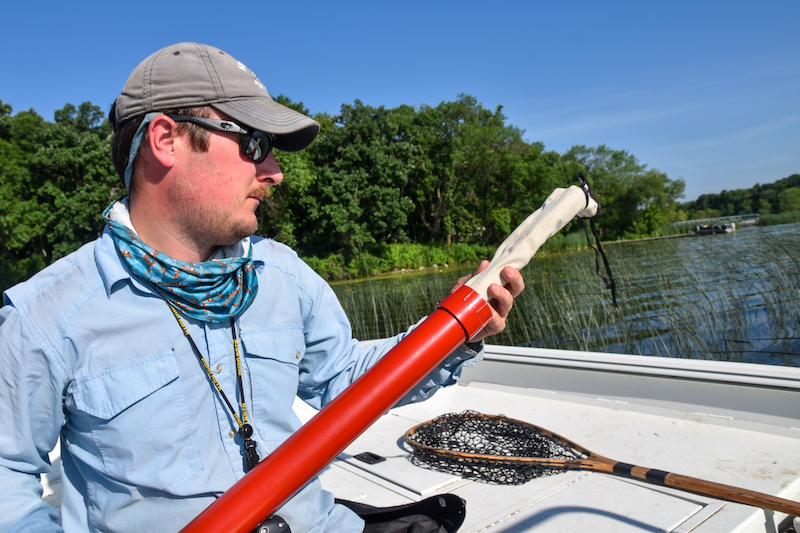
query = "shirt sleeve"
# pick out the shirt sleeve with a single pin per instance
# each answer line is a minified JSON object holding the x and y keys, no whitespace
{"x":31,"y":417}
{"x":333,"y":359}
{"x":446,"y":374}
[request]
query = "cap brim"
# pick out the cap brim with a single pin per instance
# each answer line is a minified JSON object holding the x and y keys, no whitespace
{"x":293,"y":131}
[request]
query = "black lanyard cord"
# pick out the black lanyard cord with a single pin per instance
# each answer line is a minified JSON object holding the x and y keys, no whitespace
{"x":609,"y":282}
{"x":245,"y":429}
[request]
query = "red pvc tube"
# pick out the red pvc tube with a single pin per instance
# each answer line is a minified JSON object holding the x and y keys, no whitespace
{"x":303,"y":455}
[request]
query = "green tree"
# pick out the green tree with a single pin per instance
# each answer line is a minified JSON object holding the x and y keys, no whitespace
{"x":15,"y":228}
{"x":360,"y":168}
{"x":789,"y":199}
{"x":636,"y":201}
{"x":283,"y":212}
{"x":55,"y":180}
{"x":473,"y":177}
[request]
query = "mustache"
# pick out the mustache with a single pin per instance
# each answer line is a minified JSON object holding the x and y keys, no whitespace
{"x":262,"y":191}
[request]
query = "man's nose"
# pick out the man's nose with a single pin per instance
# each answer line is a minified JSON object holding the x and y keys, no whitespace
{"x":269,"y":171}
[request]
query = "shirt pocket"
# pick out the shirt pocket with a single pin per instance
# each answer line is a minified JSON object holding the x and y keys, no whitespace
{"x":139,"y":422}
{"x":273,"y":358}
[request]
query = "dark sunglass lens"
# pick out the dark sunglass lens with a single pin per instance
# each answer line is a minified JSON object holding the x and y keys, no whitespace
{"x":258,"y":146}
{"x":253,"y":149}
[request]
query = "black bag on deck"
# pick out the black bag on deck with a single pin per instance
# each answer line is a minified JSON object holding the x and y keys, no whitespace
{"x":438,"y":514}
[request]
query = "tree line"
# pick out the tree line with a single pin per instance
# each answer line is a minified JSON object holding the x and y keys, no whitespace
{"x":457,"y":174}
{"x":377,"y":185}
{"x":781,"y":196}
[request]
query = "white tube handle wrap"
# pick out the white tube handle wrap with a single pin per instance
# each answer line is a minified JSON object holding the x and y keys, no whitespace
{"x":518,"y":249}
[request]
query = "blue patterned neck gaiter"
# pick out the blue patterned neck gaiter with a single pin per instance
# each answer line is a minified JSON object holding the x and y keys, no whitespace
{"x":211,"y":291}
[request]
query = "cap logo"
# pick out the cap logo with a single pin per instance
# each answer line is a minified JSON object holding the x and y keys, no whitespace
{"x":244,"y":68}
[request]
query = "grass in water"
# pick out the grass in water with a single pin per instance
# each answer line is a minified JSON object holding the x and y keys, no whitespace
{"x":732,"y":297}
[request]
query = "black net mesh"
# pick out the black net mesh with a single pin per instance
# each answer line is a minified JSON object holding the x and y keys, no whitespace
{"x":472,"y":432}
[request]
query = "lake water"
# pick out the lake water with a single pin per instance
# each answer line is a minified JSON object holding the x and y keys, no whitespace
{"x":731,"y":297}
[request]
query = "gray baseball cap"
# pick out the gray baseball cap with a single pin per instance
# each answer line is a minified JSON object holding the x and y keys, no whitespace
{"x":192,"y":75}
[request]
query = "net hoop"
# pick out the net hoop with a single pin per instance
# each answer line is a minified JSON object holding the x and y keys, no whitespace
{"x":490,"y":448}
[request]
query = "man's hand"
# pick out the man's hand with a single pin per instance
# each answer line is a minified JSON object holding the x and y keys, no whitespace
{"x":502,"y":299}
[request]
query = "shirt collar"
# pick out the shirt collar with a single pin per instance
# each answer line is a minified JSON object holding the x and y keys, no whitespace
{"x":111,"y":268}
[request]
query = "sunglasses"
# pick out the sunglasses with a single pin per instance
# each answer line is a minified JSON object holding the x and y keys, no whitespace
{"x":256,"y":145}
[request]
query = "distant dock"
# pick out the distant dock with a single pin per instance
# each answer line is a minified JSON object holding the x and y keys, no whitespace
{"x":741,"y":220}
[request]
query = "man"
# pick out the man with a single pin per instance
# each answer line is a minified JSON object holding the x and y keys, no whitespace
{"x":166,"y":355}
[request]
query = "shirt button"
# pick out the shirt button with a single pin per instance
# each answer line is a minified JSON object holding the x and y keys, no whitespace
{"x":297,"y":354}
{"x":219,"y":369}
{"x":231,"y":433}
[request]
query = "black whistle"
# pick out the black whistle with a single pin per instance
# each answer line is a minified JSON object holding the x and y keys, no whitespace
{"x":250,"y":454}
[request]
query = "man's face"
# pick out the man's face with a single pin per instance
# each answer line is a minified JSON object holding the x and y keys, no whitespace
{"x":218,"y":191}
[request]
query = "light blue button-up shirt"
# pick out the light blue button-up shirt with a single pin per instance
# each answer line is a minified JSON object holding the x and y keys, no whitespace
{"x":92,"y":356}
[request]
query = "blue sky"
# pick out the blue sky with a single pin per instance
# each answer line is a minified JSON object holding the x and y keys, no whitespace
{"x":707,"y":91}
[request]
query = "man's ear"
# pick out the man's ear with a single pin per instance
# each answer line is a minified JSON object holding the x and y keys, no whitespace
{"x":163,"y":136}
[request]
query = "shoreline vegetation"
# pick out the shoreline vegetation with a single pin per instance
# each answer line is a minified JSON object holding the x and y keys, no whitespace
{"x":398,"y":259}
{"x":380,"y":190}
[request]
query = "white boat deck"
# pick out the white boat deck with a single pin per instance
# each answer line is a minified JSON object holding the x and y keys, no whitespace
{"x":730,"y":423}
{"x":724,"y":422}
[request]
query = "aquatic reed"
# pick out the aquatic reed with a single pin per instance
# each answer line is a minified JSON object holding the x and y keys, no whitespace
{"x":732,"y":297}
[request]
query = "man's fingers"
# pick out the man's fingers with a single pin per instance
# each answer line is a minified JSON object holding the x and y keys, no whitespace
{"x":502,"y":300}
{"x":515,"y":284}
{"x":503,"y":297}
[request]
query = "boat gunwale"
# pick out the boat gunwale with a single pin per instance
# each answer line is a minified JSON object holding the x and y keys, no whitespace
{"x":771,"y":376}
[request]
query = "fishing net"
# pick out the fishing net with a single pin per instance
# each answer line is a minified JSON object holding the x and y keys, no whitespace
{"x":473,"y":445}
